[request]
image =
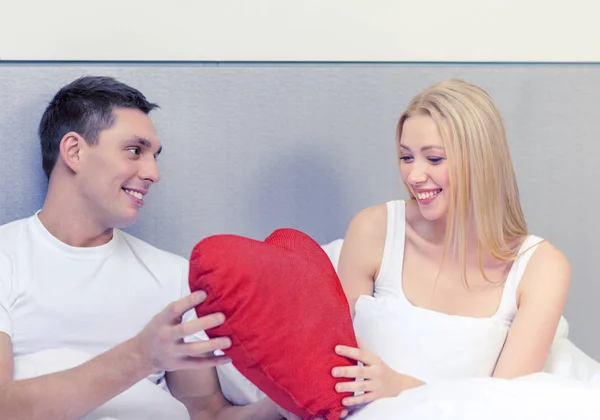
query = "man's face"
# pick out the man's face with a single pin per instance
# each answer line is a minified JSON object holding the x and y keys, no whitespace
{"x":117,"y":172}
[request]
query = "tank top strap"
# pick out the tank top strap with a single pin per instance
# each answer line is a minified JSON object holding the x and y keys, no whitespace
{"x":389,"y":279}
{"x":508,"y":303}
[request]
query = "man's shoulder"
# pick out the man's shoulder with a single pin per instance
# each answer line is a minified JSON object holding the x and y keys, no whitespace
{"x":151,"y":252}
{"x":14,"y":225}
{"x":11,"y":232}
{"x":13,"y":237}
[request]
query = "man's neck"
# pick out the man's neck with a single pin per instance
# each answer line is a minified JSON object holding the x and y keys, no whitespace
{"x":71,"y":224}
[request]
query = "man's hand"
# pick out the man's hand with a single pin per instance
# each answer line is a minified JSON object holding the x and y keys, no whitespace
{"x":161,"y":346}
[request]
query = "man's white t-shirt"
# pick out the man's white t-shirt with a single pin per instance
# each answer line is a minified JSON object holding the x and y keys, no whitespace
{"x":53,"y":295}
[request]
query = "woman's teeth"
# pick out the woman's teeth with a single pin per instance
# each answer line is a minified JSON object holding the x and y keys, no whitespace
{"x":429,"y":194}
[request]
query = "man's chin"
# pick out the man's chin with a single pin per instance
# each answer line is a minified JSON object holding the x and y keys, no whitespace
{"x":126,"y":222}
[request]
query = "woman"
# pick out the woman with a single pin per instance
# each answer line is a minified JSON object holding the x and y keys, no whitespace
{"x":449,"y":284}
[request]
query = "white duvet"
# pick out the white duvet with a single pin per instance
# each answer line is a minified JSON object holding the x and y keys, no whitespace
{"x":435,"y":344}
{"x":540,"y":396}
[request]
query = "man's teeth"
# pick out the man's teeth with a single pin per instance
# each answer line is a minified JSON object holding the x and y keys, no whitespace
{"x":135,"y":194}
{"x":426,"y":195}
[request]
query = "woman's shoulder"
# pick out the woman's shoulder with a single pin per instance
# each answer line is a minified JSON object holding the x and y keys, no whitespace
{"x":548,"y":266}
{"x":369,"y":226}
{"x":370,"y":216}
{"x":545,"y":253}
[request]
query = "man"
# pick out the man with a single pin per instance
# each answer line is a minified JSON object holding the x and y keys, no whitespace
{"x":70,"y":278}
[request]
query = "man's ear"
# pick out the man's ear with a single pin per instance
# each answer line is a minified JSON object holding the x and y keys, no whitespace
{"x":71,"y":150}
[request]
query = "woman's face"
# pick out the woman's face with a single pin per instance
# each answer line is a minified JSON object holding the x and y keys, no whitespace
{"x":423,"y":166}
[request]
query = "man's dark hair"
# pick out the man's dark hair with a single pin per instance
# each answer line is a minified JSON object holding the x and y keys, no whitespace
{"x":85,"y":106}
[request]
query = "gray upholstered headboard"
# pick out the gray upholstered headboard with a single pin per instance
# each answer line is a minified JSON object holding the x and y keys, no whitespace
{"x":250,"y":148}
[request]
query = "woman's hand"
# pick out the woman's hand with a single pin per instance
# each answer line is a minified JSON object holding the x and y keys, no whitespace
{"x":378,"y":379}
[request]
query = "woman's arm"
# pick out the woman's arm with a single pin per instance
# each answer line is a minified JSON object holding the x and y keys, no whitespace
{"x":540,"y":298}
{"x":359,"y":265}
{"x":362,"y":253}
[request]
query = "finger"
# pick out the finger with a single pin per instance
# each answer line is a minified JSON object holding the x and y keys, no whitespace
{"x":352,"y":372}
{"x":203,"y":348}
{"x":355,"y":386}
{"x":363,"y":356}
{"x":359,"y":399}
{"x":361,"y":344}
{"x":199,"y":324}
{"x":202,"y":362}
{"x":343,"y":414}
{"x":175,"y":310}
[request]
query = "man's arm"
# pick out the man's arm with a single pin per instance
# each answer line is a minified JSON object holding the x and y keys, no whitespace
{"x":72,"y":393}
{"x":201,"y":394}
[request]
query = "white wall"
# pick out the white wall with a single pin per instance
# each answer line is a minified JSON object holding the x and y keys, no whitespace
{"x":301,"y":30}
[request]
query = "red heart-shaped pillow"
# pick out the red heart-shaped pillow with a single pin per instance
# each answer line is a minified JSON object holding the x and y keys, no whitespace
{"x":285,"y":313}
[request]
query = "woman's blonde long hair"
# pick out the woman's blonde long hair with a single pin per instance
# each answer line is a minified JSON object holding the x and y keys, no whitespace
{"x":482,"y":179}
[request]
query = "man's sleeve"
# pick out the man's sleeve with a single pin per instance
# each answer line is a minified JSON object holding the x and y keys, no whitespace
{"x":5,"y":295}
